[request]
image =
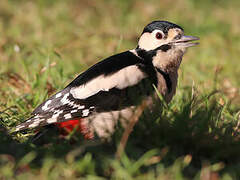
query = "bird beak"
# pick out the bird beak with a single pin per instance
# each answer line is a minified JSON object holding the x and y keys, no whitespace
{"x":186,"y":41}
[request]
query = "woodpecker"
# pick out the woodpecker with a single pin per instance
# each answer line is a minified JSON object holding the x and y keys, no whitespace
{"x":111,"y":89}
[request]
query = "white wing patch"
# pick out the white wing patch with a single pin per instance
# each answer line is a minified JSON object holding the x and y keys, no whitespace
{"x":56,"y":114}
{"x":58,"y":95}
{"x":65,"y":100}
{"x":67,"y":116}
{"x":85,"y":112}
{"x":45,"y":107}
{"x":126,"y":77}
{"x":34,"y":124}
{"x":51,"y":120}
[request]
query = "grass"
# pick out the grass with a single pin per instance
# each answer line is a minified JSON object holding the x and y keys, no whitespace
{"x":45,"y":44}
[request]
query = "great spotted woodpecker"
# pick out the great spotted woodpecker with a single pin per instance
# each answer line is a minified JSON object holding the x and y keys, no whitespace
{"x":111,"y":89}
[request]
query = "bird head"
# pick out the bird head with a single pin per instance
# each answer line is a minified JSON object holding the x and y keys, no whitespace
{"x":166,"y":43}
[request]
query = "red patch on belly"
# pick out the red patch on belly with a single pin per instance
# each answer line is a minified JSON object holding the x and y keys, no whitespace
{"x":67,"y":127}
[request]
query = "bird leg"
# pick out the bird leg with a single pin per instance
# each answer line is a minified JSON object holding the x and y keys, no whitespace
{"x":133,"y":120}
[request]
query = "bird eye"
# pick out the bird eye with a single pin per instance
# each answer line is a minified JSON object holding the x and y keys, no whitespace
{"x":159,"y":35}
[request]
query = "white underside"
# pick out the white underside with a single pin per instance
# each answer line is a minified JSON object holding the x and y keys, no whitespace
{"x":103,"y":124}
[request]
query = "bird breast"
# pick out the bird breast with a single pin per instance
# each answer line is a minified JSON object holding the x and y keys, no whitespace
{"x":162,"y":85}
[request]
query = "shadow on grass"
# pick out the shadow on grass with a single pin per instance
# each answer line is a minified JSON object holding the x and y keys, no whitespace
{"x":198,"y":126}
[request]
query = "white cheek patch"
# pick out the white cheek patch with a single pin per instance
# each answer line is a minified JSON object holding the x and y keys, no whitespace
{"x":148,"y":41}
{"x":126,"y":77}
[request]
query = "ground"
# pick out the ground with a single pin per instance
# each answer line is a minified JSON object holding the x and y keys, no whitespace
{"x":45,"y":44}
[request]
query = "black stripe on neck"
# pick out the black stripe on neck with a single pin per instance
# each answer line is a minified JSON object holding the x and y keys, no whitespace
{"x":148,"y":55}
{"x":167,"y":79}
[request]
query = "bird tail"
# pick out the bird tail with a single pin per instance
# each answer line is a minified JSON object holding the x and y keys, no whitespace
{"x":65,"y":127}
{"x":32,"y":122}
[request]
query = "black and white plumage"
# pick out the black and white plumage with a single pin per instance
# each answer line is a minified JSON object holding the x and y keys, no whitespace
{"x":112,"y":88}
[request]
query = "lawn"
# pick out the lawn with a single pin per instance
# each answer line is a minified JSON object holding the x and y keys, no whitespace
{"x":45,"y":44}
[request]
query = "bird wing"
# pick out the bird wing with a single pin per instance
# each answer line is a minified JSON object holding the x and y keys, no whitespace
{"x":103,"y":87}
